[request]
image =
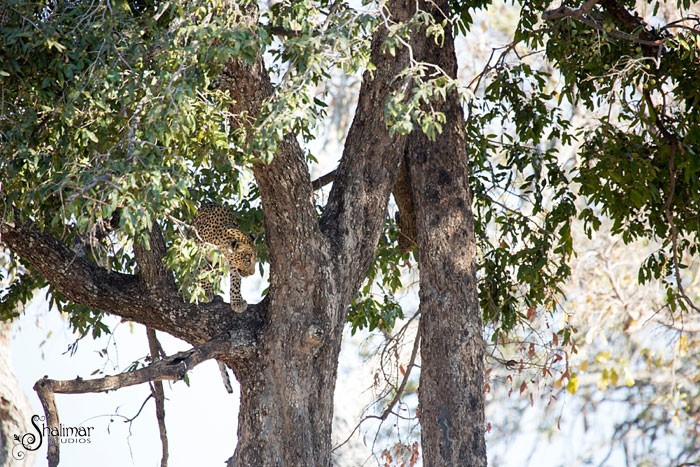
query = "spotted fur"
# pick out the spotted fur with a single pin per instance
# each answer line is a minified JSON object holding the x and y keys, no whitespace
{"x":218,"y":226}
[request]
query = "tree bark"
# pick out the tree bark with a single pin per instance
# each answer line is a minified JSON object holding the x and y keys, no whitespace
{"x":15,"y":412}
{"x":284,"y":351}
{"x":451,"y":383}
{"x":287,"y":388}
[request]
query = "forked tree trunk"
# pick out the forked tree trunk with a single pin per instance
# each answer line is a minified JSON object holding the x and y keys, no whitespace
{"x":287,"y":387}
{"x":287,"y":392}
{"x":284,"y":351}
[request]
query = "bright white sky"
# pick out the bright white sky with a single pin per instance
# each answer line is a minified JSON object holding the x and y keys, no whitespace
{"x":201,"y":419}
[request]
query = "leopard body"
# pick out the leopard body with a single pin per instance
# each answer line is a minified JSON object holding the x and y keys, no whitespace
{"x":218,"y":226}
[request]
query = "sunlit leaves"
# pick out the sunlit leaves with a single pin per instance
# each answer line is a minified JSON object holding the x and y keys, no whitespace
{"x":194,"y":265}
{"x":522,"y":196}
{"x":306,"y":40}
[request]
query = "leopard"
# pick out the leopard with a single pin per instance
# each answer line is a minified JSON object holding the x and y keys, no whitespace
{"x":216,"y":225}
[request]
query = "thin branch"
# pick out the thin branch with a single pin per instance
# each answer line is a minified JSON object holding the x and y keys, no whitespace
{"x":171,"y":368}
{"x":404,"y":381}
{"x":130,"y":420}
{"x":152,"y":271}
{"x":282,"y":32}
{"x":397,"y":396}
{"x":324,"y":180}
{"x":674,"y":229}
{"x":675,"y":147}
{"x":159,"y":395}
{"x":224,"y":376}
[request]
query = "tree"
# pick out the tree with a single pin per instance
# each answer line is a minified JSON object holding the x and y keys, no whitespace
{"x":118,"y":119}
{"x":120,"y":138}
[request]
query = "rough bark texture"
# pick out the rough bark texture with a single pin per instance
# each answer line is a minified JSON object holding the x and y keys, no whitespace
{"x":406,"y":214}
{"x":284,"y":350}
{"x":451,"y":385}
{"x":15,"y":412}
{"x":315,"y":269}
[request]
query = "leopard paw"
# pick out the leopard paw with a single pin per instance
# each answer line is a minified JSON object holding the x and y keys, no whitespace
{"x":238,"y":306}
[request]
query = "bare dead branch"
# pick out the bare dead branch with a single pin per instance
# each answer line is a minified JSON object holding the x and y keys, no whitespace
{"x":130,"y":420}
{"x":48,"y":402}
{"x":224,"y":376}
{"x":159,"y":395}
{"x":171,"y":368}
{"x":399,"y":390}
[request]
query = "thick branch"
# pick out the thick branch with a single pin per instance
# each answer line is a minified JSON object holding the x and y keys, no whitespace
{"x":170,"y":368}
{"x":630,"y":28}
{"x":124,"y":295}
{"x":323,"y":180}
{"x":356,"y":209}
{"x":406,"y":214}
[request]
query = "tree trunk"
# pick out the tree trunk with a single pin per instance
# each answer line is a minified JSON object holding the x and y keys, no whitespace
{"x":287,"y":388}
{"x":15,"y":412}
{"x":451,"y":384}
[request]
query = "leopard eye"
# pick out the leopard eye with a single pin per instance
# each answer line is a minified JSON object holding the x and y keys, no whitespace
{"x":234,"y":244}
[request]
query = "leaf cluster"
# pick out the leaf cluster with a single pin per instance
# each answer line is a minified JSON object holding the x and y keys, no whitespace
{"x":110,"y":121}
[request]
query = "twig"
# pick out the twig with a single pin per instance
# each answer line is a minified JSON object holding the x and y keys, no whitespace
{"x":130,"y":420}
{"x":404,"y":381}
{"x":399,"y":392}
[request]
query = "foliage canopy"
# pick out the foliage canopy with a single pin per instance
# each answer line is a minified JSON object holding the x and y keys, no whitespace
{"x":112,"y":119}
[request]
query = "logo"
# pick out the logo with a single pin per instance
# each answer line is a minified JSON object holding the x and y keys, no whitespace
{"x":64,"y":434}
